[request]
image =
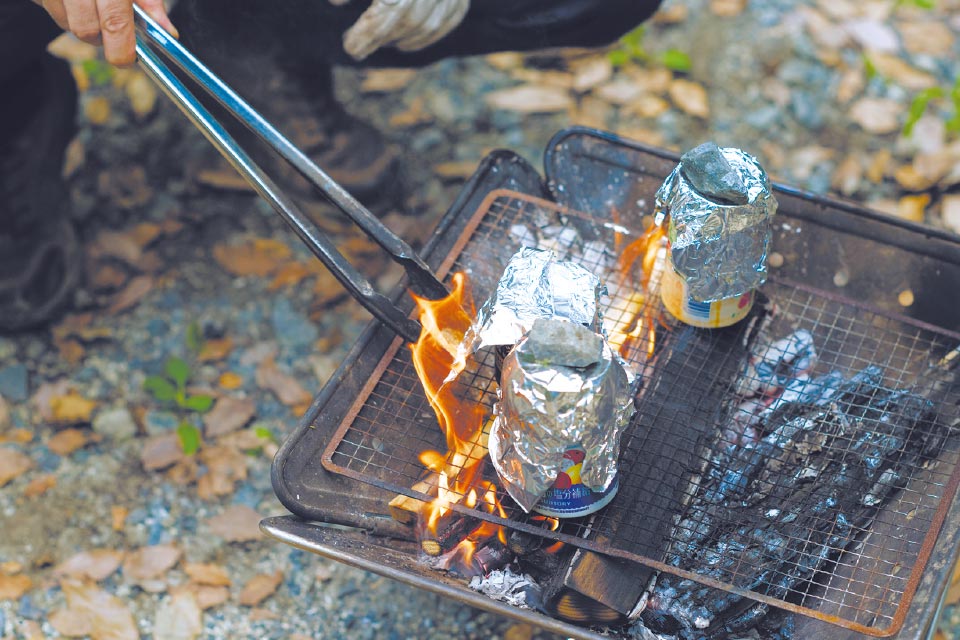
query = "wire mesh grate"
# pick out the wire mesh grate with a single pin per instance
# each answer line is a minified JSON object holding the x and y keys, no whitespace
{"x":795,"y":447}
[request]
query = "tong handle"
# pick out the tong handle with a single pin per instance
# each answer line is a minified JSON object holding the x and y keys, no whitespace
{"x":356,"y":284}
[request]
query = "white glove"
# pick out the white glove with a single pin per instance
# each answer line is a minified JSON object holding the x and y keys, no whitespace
{"x":408,"y":25}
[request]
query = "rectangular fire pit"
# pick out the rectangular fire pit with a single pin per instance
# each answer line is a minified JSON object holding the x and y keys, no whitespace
{"x":843,"y":277}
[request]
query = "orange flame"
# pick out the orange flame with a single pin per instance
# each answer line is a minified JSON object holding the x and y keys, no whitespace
{"x":644,"y":249}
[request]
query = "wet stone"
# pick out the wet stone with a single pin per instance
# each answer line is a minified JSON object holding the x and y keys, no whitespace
{"x":14,"y":382}
{"x":711,"y":175}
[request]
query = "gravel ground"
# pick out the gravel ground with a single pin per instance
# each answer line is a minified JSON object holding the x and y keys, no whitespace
{"x":162,"y":221}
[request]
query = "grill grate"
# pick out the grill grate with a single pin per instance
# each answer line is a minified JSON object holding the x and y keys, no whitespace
{"x":867,"y":588}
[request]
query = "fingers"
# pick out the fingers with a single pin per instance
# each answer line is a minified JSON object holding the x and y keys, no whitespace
{"x":115,"y":22}
{"x":156,"y":10}
{"x":56,"y":11}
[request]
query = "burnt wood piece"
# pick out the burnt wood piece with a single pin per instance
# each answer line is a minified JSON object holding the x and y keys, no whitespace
{"x":452,"y":528}
{"x":679,"y":408}
{"x":770,"y":515}
{"x":405,"y":509}
{"x":490,"y":557}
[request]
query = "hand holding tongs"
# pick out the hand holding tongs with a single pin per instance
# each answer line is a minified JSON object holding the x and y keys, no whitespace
{"x":422,"y":279}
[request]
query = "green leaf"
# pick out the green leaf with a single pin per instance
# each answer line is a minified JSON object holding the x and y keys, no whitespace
{"x":99,"y":72}
{"x":618,"y":57}
{"x":264,"y":433}
{"x":869,"y":69}
{"x":159,"y":388}
{"x":200,"y":404}
{"x":189,"y":437}
{"x":676,"y":60}
{"x":919,"y":106}
{"x":179,"y":371}
{"x":634,"y":38}
{"x":194,"y":337}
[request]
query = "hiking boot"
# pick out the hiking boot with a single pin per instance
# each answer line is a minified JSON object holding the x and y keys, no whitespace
{"x":39,"y":252}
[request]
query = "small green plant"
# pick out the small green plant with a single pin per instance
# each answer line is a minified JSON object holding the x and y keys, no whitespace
{"x":171,"y":388}
{"x":99,"y":72}
{"x":630,"y":48}
{"x":922,"y":101}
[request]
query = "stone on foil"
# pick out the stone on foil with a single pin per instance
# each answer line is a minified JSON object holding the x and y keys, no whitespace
{"x":720,"y":206}
{"x":547,"y":407}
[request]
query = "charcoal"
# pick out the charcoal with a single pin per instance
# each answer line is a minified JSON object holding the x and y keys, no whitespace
{"x":770,"y":514}
{"x":708,"y":171}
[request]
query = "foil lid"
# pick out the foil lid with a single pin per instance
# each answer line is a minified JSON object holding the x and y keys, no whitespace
{"x":535,"y":284}
{"x":720,"y":206}
{"x":562,"y":386}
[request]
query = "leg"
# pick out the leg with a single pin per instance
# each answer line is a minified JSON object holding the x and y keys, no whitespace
{"x":38,"y":247}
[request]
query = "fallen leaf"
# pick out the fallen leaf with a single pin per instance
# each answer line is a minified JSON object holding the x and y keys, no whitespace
{"x":12,"y":464}
{"x":126,"y":185}
{"x":45,"y":393}
{"x":847,"y":176}
{"x":96,"y":564}
{"x":228,"y":414}
{"x":291,"y":274}
{"x":71,"y":623}
{"x":71,"y":351}
{"x":213,"y":575}
{"x":415,"y":114}
{"x":620,"y":91}
{"x":226,"y":466}
{"x":690,"y":97}
{"x":142,"y":94}
{"x":259,"y":588}
{"x":591,"y":72}
{"x":107,"y":616}
{"x":208,"y":597}
{"x":118,"y":517}
{"x":215,"y":350}
{"x":130,"y":295}
{"x":40,"y":485}
{"x":647,"y":106}
{"x":97,"y":110}
{"x":257,"y":257}
{"x":932,"y":38}
{"x":145,"y":233}
{"x":591,"y":111}
{"x":260,"y":613}
{"x":230,"y":380}
{"x":455,"y":170}
{"x":160,"y":452}
{"x":877,"y":168}
{"x":179,"y":617}
{"x":876,"y":115}
{"x":913,"y":207}
{"x":13,"y":587}
{"x":824,"y":31}
{"x":671,"y":14}
{"x":225,"y":178}
{"x":530,"y":99}
{"x":148,"y":563}
{"x":115,"y":244}
{"x":67,"y":441}
{"x":910,"y":179}
{"x":850,"y":86}
{"x":895,"y":68}
{"x":71,"y":408}
{"x":17,"y":436}
{"x":68,"y":47}
{"x":505,"y":60}
{"x":652,"y":80}
{"x":287,"y":389}
{"x":727,"y":8}
{"x":237,"y":523}
{"x":386,"y":80}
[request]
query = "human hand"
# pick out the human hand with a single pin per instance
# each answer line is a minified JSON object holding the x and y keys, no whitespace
{"x":408,"y":25}
{"x":106,"y":22}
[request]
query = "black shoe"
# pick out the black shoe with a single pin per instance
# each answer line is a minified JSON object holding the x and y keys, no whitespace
{"x":39,"y":252}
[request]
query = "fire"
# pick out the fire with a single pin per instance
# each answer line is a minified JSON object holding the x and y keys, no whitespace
{"x":641,"y":324}
{"x":461,"y":418}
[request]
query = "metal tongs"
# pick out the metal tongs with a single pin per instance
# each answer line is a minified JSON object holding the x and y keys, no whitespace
{"x":422,"y":280}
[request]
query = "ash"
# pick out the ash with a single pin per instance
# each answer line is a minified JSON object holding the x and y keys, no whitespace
{"x":517,"y":589}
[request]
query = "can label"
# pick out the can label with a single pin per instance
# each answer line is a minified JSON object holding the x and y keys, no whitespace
{"x":569,"y":497}
{"x":710,"y":315}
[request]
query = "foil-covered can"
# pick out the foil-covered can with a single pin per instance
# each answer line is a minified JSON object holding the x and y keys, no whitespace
{"x":719,"y":205}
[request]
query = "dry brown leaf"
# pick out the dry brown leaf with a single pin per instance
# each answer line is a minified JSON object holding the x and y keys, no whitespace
{"x":40,"y":485}
{"x":591,"y":72}
{"x":455,"y":170}
{"x":208,"y":597}
{"x":160,"y":452}
{"x":651,"y":137}
{"x":847,"y":177}
{"x":230,"y":380}
{"x":97,"y":110}
{"x":142,"y":94}
{"x":932,"y":37}
{"x":913,"y":207}
{"x":117,"y":244}
{"x":647,"y":106}
{"x":212,"y":575}
{"x":148,"y":563}
{"x":877,"y":168}
{"x":671,"y":14}
{"x":530,"y":99}
{"x":118,"y":517}
{"x":690,"y":97}
{"x":215,"y":350}
{"x":893,"y":67}
{"x":108,"y":616}
{"x":225,"y":178}
{"x":12,"y":464}
{"x":287,"y":389}
{"x":45,"y":393}
{"x":850,"y":86}
{"x":145,"y":233}
{"x":910,"y":179}
{"x":12,"y":587}
{"x":386,"y":80}
{"x":291,"y":274}
{"x":96,"y":564}
{"x":727,"y":8}
{"x":68,"y":47}
{"x":71,"y":623}
{"x":415,"y":114}
{"x":179,"y":617}
{"x":259,"y":588}
{"x":71,"y":408}
{"x":546,"y":78}
{"x":228,"y":414}
{"x":619,"y":91}
{"x":126,"y":185}
{"x":107,"y":277}
{"x":876,"y":115}
{"x":226,"y":466}
{"x":67,"y":441}
{"x":130,"y":295}
{"x":237,"y":523}
{"x":17,"y":436}
{"x":257,"y":257}
{"x":505,"y":61}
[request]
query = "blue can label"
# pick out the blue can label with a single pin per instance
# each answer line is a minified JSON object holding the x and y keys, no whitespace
{"x":569,"y":497}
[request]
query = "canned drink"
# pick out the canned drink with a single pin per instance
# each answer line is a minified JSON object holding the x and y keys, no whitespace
{"x":708,"y":315}
{"x":569,"y":497}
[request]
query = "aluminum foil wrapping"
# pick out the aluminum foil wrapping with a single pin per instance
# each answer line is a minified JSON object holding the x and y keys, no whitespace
{"x":562,"y":386}
{"x":535,"y":284}
{"x":720,"y":206}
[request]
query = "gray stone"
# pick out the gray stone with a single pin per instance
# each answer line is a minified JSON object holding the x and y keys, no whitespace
{"x":561,"y":342}
{"x":116,"y":424}
{"x":806,"y":109}
{"x":707,"y":171}
{"x":14,"y":382}
{"x":160,"y":422}
{"x":294,"y":330}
